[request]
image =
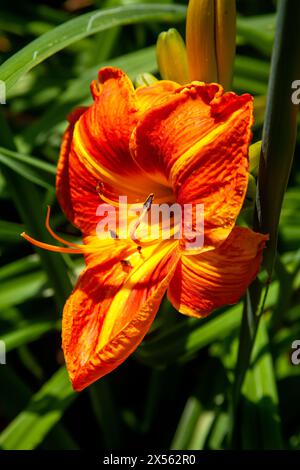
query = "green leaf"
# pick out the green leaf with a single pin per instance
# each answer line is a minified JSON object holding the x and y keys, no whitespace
{"x":160,"y":382}
{"x":289,"y":228}
{"x":254,"y":154}
{"x":183,"y":340}
{"x":286,"y":275}
{"x":29,"y":361}
{"x":219,"y":432}
{"x":21,"y":266}
{"x":260,"y":399}
{"x":27,"y":332}
{"x":12,"y":385}
{"x":186,"y":426}
{"x":43,"y":411}
{"x":254,"y":306}
{"x":19,"y":289}
{"x":10,"y":232}
{"x":280,"y":127}
{"x":78,"y":28}
{"x":258,"y":31}
{"x":26,"y":196}
{"x":202,"y":408}
{"x":33,"y":169}
{"x":251,"y":75}
{"x":278,"y":145}
{"x":202,"y":429}
{"x":105,"y":411}
{"x":246,"y":66}
{"x":246,"y":85}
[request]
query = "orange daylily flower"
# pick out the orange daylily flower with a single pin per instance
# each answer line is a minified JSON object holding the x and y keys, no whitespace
{"x":187,"y":144}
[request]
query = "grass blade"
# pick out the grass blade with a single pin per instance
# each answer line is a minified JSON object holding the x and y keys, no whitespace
{"x":78,"y":28}
{"x":106,"y":413}
{"x":19,"y":289}
{"x":260,"y":396}
{"x":28,"y":332}
{"x":44,"y":410}
{"x":12,"y":385}
{"x":33,"y":169}
{"x":27,"y":200}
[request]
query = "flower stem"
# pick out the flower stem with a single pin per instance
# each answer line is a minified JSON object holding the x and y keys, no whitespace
{"x":278,"y":146}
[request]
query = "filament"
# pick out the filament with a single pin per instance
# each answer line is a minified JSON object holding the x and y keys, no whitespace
{"x":100,"y":188}
{"x":146,"y":208}
{"x":53,"y":234}
{"x":56,"y":249}
{"x":72,"y":248}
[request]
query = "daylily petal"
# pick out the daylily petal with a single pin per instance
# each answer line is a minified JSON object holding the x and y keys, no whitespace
{"x":111,"y":310}
{"x":75,"y":185}
{"x":95,"y":148}
{"x":104,"y":130}
{"x":154,"y":95}
{"x":167,"y":131}
{"x":102,"y":134}
{"x":197,"y":143}
{"x":212,"y":279}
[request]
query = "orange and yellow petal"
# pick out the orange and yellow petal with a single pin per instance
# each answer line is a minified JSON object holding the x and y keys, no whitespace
{"x":111,"y":309}
{"x":197,"y":143}
{"x":102,"y":134}
{"x":216,"y":278}
{"x":154,"y":95}
{"x":95,"y":158}
{"x":167,"y":131}
{"x":75,"y":185}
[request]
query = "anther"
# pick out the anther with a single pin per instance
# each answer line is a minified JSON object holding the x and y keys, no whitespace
{"x":146,"y":207}
{"x":126,"y":263}
{"x":113,"y":234}
{"x":99,"y":188}
{"x":148,"y":203}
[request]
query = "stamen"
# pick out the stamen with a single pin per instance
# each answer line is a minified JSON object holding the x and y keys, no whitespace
{"x":56,"y":249}
{"x":126,"y":263}
{"x":139,"y":250}
{"x":114,"y":235}
{"x":73,"y":248}
{"x":99,"y":188}
{"x":102,"y":193}
{"x":54,"y":235}
{"x":142,"y":244}
{"x":146,"y":207}
{"x":148,"y":203}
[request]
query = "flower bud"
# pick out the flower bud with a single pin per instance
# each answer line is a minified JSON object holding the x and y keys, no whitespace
{"x":211,"y":39}
{"x":145,"y":79}
{"x":172,"y":57}
{"x":251,"y":190}
{"x":254,"y":156}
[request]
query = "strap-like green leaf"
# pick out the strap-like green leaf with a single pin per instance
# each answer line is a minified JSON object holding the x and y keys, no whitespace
{"x":33,"y":169}
{"x":78,"y":28}
{"x":44,"y":410}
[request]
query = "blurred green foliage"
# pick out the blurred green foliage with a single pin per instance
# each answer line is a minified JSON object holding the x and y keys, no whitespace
{"x":175,"y":390}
